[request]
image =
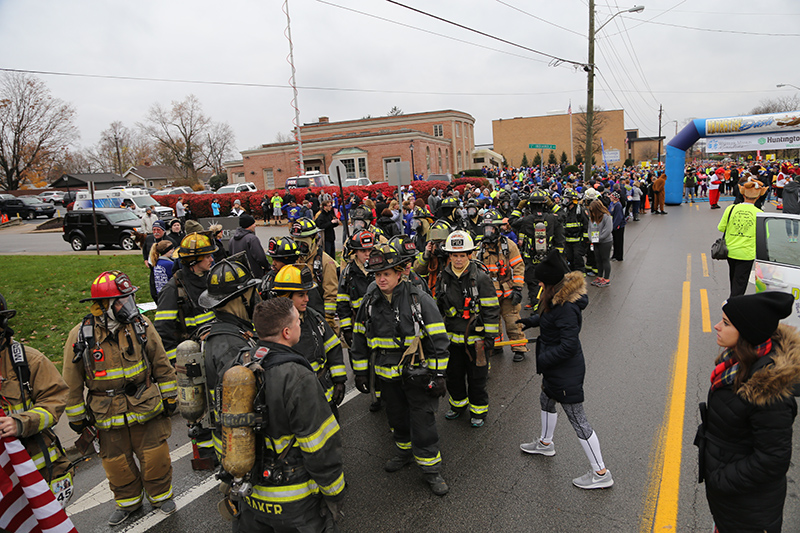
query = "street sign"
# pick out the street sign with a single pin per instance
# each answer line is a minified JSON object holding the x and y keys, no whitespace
{"x":332,"y":171}
{"x":542,"y":146}
{"x":399,"y":173}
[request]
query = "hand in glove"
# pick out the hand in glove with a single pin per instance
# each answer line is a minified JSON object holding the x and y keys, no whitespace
{"x":437,"y":387}
{"x":516,"y":296}
{"x":530,"y":322}
{"x":338,"y":393}
{"x":170,"y":404}
{"x":80,"y":425}
{"x":347,"y":333}
{"x":362,"y":384}
{"x":335,"y":508}
{"x":488,"y":345}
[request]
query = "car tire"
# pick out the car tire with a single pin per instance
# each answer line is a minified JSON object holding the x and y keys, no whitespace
{"x":78,"y":243}
{"x":50,"y":215}
{"x":127,"y":243}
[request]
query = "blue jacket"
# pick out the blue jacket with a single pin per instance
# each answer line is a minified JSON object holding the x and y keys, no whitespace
{"x":617,"y":215}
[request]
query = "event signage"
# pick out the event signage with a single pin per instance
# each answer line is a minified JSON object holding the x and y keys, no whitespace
{"x":752,"y":124}
{"x":611,"y":156}
{"x":751,"y":143}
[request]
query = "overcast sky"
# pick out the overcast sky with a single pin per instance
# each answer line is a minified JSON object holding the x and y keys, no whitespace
{"x":370,"y":55}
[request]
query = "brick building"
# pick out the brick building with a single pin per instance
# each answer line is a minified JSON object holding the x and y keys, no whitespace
{"x":440,"y":142}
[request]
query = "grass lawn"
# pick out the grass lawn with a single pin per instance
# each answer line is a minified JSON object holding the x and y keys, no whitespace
{"x":45,"y":291}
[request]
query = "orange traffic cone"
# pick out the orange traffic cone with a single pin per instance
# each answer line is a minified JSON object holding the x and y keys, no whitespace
{"x":646,"y":203}
{"x":4,"y":219}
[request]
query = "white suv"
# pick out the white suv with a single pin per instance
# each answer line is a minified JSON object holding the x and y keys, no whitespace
{"x":237,"y":187}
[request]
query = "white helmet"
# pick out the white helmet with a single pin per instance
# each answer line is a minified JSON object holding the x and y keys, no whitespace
{"x":459,"y":241}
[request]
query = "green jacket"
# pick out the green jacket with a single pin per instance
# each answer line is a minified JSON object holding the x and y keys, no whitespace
{"x":741,"y":230}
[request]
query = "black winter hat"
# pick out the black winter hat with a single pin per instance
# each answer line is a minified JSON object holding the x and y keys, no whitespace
{"x":552,"y":269}
{"x":756,"y":316}
{"x":245,"y":221}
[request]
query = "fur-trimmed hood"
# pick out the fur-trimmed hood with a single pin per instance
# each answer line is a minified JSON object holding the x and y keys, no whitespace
{"x":776,"y":381}
{"x":573,"y":290}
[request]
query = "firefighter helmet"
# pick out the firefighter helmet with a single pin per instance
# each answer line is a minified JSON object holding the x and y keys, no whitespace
{"x":449,"y":202}
{"x":227,"y":279}
{"x":282,"y":247}
{"x":439,"y":230}
{"x":304,"y":227}
{"x":538,"y":197}
{"x":405,"y":246}
{"x":423,"y":212}
{"x":292,"y":278}
{"x":5,"y":312}
{"x":111,"y":284}
{"x":361,"y":240}
{"x":196,"y":245}
{"x":571,"y":196}
{"x":459,"y":242}
{"x":360,"y":213}
{"x":492,"y":218}
{"x":383,"y":257}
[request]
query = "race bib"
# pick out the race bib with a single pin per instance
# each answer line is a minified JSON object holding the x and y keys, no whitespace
{"x":594,"y":236}
{"x":62,"y":489}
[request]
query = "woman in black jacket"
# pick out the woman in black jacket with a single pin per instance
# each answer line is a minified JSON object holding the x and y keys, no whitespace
{"x":559,"y":358}
{"x":745,"y":440}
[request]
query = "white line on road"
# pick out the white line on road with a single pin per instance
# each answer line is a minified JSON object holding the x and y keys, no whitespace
{"x":155,"y":516}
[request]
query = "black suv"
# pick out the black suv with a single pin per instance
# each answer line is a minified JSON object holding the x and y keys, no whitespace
{"x":27,"y":207}
{"x":114,"y":227}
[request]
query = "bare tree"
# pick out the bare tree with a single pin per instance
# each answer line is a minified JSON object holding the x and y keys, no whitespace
{"x":119,"y":149}
{"x":776,"y":105}
{"x":281,"y":137}
{"x":579,"y":133}
{"x":187,"y":139}
{"x":34,"y":127}
{"x":394,"y":112}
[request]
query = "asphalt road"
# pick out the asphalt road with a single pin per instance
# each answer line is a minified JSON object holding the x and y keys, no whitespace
{"x":634,"y":373}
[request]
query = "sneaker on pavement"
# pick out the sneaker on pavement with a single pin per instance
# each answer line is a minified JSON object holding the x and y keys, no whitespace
{"x":397,"y":462}
{"x":119,"y":516}
{"x":168,"y":506}
{"x":452,"y":414}
{"x":437,"y":484}
{"x":593,"y":480}
{"x":476,"y":422}
{"x":518,"y":357}
{"x":538,"y":448}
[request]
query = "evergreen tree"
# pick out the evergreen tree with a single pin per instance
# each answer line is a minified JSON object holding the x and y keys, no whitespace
{"x":537,"y":160}
{"x":524,"y":162}
{"x":551,"y":159}
{"x":564,"y":159}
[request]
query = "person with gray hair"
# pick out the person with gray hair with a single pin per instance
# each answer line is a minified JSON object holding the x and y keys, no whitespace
{"x":148,"y":220}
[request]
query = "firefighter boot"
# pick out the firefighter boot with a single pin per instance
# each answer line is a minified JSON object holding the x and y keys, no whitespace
{"x":437,"y":484}
{"x":398,"y":461}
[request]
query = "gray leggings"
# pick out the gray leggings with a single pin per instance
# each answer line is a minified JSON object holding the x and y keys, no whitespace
{"x":575,"y":414}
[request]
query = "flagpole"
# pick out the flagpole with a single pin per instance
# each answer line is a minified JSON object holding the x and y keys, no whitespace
{"x":571,"y":152}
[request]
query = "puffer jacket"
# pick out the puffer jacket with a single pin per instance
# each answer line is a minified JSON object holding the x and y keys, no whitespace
{"x":245,"y":240}
{"x":559,"y":356}
{"x":746,"y":440}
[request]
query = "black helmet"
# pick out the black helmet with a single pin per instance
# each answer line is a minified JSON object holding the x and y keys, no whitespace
{"x":449,"y":203}
{"x":5,"y":312}
{"x":405,"y":247}
{"x":538,"y":197}
{"x":227,"y":279}
{"x":360,"y":213}
{"x":439,"y":230}
{"x":282,"y":247}
{"x":383,"y":257}
{"x":304,"y":227}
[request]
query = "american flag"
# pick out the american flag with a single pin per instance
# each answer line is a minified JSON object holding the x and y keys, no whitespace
{"x":570,"y":107}
{"x":26,"y":502}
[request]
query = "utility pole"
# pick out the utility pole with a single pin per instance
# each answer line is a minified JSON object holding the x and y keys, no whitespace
{"x":660,"y":111}
{"x":587,"y":156}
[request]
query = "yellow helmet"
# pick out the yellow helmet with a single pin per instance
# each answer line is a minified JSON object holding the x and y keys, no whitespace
{"x":195,"y":245}
{"x":292,"y":278}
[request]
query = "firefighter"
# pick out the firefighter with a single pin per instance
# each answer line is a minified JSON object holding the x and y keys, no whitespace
{"x":576,"y":230}
{"x":33,"y":396}
{"x":399,"y":328}
{"x":116,"y":354}
{"x":421,"y":225}
{"x":430,"y":263}
{"x":361,"y":218}
{"x":297,"y":477}
{"x":179,"y":314}
{"x":404,"y":245}
{"x":468,"y":302}
{"x":323,"y":267}
{"x":449,"y":212}
{"x":504,"y":262}
{"x":473,"y":221}
{"x":232,"y":294}
{"x":318,"y":342}
{"x":354,"y":281}
{"x":283,"y":251}
{"x":539,"y":232}
{"x":504,"y":206}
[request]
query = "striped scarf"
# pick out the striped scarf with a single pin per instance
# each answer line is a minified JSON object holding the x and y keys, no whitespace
{"x":725,"y":371}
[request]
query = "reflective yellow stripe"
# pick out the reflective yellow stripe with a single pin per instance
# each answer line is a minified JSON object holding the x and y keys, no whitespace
{"x":76,"y":410}
{"x":279,"y":444}
{"x":388,"y":372}
{"x":285,"y":493}
{"x":171,"y":353}
{"x":217,"y":444}
{"x":479,"y":409}
{"x":161,"y":497}
{"x":357,"y":303}
{"x":403,"y":445}
{"x":342,"y":297}
{"x":429,"y":461}
{"x":331,"y":343}
{"x":334,"y":488}
{"x":330,"y":307}
{"x":317,"y":440}
{"x":439,"y":363}
{"x":199,"y":319}
{"x":168,"y":386}
{"x":120,"y":373}
{"x":345,"y":323}
{"x":491,"y":328}
{"x":358,"y":327}
{"x":458,"y":338}
{"x":459,"y":403}
{"x":437,"y":327}
{"x":129,"y":418}
{"x":38,"y":459}
{"x":338,"y":370}
{"x":130,"y":502}
{"x":490,"y":302}
{"x":46,"y":420}
{"x":166,"y":315}
{"x":360,"y":364}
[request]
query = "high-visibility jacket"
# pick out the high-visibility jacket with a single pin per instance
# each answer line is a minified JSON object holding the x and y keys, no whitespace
{"x":179,"y":315}
{"x":321,"y":347}
{"x":469,"y":305}
{"x":352,"y":288}
{"x":576,"y":224}
{"x":504,"y":263}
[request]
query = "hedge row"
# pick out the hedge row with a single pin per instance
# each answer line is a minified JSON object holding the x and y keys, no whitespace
{"x":200,"y":204}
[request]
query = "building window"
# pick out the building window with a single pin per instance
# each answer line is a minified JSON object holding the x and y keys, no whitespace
{"x":428,"y":158}
{"x":150,"y":183}
{"x":458,"y":129}
{"x":386,"y":161}
{"x":458,"y":161}
{"x":478,"y":160}
{"x":269,"y":179}
{"x":438,"y":130}
{"x":356,"y":162}
{"x":440,"y":159}
{"x":447,"y":158}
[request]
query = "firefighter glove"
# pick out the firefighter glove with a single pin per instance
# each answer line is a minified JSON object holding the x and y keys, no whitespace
{"x":335,"y":508}
{"x":362,"y":384}
{"x":530,"y":322}
{"x":338,"y":393}
{"x":437,"y":387}
{"x":170,"y":405}
{"x":80,"y":425}
{"x":488,"y":345}
{"x":347,"y":334}
{"x":516,"y":296}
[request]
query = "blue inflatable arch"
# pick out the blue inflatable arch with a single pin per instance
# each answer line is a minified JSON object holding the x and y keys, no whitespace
{"x":776,"y":131}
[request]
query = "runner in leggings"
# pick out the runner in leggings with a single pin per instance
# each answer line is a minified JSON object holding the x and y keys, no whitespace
{"x":559,"y":358}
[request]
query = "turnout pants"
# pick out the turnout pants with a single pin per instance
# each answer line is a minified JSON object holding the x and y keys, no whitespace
{"x":510,"y":314}
{"x":466,"y":381}
{"x":412,"y":415}
{"x":312,"y":518}
{"x":127,"y":481}
{"x":574,"y":252}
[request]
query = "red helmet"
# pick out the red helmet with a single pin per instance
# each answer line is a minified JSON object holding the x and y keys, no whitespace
{"x":111,"y":284}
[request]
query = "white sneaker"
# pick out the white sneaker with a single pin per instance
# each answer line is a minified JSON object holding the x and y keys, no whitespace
{"x":538,"y":448}
{"x":593,"y":480}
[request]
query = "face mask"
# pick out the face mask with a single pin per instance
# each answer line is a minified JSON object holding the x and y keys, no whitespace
{"x":303,"y":248}
{"x":359,"y":224}
{"x":415,"y":224}
{"x":123,"y":309}
{"x":472,"y":211}
{"x":489,"y":232}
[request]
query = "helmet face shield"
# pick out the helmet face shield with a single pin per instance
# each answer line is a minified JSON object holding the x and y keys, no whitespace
{"x":472,"y":211}
{"x":303,"y":247}
{"x":124,"y":309}
{"x":489,"y":232}
{"x":359,"y":224}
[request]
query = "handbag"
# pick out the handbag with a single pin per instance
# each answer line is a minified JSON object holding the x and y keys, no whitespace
{"x":719,"y":250}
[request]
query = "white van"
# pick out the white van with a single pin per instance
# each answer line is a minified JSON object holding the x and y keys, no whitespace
{"x":114,"y":198}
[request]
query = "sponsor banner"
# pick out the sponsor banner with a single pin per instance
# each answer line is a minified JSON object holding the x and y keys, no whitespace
{"x":612,"y":156}
{"x":751,"y":143}
{"x":751,"y":124}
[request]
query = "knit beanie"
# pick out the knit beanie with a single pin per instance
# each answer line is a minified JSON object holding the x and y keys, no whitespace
{"x":245,"y":221}
{"x":193,"y":226}
{"x":756,"y":316}
{"x":552,"y":269}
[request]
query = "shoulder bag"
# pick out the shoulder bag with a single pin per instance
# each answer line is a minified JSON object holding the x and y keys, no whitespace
{"x":719,"y":250}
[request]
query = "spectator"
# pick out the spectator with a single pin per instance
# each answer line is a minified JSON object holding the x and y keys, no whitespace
{"x":237,"y":210}
{"x":618,"y":221}
{"x":293,"y":211}
{"x":306,"y":211}
{"x":327,"y":222}
{"x":266,"y":210}
{"x":176,"y":232}
{"x":277,"y":204}
{"x":216,"y":233}
{"x":147,"y":220}
{"x":791,"y":204}
{"x":506,"y":231}
{"x":600,"y":226}
{"x":739,"y":226}
{"x":636,"y":200}
{"x":387,"y":224}
{"x":215,"y":207}
{"x":245,"y":240}
{"x":161,"y":259}
{"x":180,"y":210}
{"x":658,"y":195}
{"x":397,"y":215}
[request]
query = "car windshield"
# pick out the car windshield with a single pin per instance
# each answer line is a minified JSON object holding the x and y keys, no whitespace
{"x":121,"y":216}
{"x":226,"y":189}
{"x":144,"y":201}
{"x":301,"y":182}
{"x":30,"y":201}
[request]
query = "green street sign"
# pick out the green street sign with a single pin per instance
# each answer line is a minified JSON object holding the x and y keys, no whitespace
{"x":542,"y":146}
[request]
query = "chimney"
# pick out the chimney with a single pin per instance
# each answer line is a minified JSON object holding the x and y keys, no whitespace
{"x":324,"y":120}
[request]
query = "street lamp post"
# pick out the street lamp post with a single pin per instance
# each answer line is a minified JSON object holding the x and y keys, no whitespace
{"x":413,"y":171}
{"x":589,"y":152}
{"x":787,"y":85}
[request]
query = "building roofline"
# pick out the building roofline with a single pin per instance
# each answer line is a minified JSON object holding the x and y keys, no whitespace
{"x":385,"y":118}
{"x":348,"y":140}
{"x":557,"y":115}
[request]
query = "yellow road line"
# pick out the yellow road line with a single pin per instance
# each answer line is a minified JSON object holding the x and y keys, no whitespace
{"x":697,"y":207}
{"x":704,"y":311}
{"x":704,"y":259}
{"x":688,"y":267}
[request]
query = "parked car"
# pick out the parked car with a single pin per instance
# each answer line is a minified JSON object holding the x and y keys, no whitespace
{"x":28,"y":207}
{"x":439,"y":177}
{"x":53,"y":197}
{"x":174,"y":190}
{"x":115,"y":227}
{"x":355,"y":182}
{"x":309,"y":179}
{"x":237,"y":187}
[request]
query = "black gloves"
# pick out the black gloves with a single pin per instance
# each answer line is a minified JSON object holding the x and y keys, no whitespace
{"x":170,"y":404}
{"x":488,"y":345}
{"x":516,"y":295}
{"x":338,"y":393}
{"x":437,"y":387}
{"x":335,"y":508}
{"x":79,"y":426}
{"x":347,"y":334}
{"x":362,"y":384}
{"x":530,"y":322}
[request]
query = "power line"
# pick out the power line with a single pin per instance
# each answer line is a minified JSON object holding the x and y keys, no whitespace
{"x":484,"y":34}
{"x":713,"y":30}
{"x":539,"y":18}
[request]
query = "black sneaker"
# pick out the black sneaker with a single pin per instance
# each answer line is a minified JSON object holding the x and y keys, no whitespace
{"x":375,"y":406}
{"x":119,"y":516}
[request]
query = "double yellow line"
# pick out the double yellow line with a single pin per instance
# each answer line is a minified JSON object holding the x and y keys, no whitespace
{"x":661,"y":501}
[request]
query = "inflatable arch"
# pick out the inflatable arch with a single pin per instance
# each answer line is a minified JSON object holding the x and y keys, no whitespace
{"x":776,"y":131}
